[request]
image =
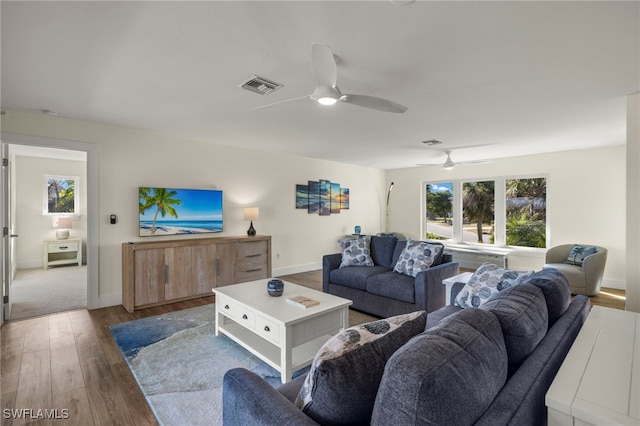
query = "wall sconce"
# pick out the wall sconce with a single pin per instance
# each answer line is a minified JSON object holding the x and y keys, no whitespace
{"x":251,"y":213}
{"x":62,"y":226}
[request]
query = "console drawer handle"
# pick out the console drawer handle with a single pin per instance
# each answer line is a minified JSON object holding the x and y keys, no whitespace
{"x":63,"y":247}
{"x":226,"y":306}
{"x":266,"y":328}
{"x":245,"y":316}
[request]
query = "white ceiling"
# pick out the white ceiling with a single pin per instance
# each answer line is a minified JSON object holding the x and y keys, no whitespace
{"x":515,"y":77}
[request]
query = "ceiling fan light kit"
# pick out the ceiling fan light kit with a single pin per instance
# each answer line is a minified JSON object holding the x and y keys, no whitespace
{"x":327,"y":92}
{"x":449,"y":164}
{"x":326,"y":95}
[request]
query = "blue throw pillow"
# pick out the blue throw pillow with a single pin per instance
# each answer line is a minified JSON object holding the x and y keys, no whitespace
{"x":356,"y":252}
{"x":485,"y":282}
{"x":578,"y":253}
{"x":417,"y":256}
{"x":342,"y":384}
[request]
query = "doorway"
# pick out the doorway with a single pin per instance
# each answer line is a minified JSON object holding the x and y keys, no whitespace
{"x":48,"y":188}
{"x":87,"y":224}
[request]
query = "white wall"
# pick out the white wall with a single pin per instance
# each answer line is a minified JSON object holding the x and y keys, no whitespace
{"x":129,"y":158}
{"x":29,"y":223}
{"x":586,"y":190}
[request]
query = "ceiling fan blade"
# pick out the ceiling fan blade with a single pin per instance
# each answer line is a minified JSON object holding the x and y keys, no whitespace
{"x":374,"y":103}
{"x":465,"y":163}
{"x":324,"y":65}
{"x":282,"y":102}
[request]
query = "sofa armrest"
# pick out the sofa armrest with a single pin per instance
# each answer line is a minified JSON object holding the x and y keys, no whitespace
{"x":430,"y":292}
{"x":329,"y":263}
{"x":455,"y":289}
{"x":248,"y":400}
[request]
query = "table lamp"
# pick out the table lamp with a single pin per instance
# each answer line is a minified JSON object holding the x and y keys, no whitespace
{"x":251,"y":213}
{"x":62,"y":226}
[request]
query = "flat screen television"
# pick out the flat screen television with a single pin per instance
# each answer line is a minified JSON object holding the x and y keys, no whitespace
{"x":171,"y":211}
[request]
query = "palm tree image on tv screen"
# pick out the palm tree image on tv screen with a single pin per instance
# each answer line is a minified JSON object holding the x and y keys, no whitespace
{"x":172,"y":211}
{"x":524,"y":203}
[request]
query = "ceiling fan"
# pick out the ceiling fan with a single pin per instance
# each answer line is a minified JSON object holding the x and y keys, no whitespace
{"x":327,"y":91}
{"x":450,"y":164}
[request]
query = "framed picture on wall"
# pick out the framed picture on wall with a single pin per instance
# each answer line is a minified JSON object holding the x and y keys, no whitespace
{"x":302,"y":196}
{"x":314,"y":197}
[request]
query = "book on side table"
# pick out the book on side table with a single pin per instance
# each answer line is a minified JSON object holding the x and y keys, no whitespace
{"x":302,"y":301}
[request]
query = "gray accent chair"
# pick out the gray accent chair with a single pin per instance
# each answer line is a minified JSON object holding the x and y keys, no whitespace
{"x":585,"y":279}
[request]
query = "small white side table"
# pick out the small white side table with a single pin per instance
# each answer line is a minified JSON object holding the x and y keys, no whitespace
{"x":62,"y":252}
{"x":449,"y":282}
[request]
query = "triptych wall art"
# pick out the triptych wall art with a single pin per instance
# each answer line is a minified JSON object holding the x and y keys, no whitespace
{"x":322,"y":197}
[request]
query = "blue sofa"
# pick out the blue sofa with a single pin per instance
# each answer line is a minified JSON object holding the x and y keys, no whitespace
{"x":483,"y":366}
{"x":380,"y":291}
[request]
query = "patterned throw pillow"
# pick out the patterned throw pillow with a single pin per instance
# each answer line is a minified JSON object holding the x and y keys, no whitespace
{"x":578,"y":253}
{"x":487,"y":280}
{"x":417,"y":256}
{"x":356,"y":252}
{"x":336,"y":391}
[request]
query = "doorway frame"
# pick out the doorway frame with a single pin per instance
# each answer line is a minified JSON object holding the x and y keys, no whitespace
{"x":93,"y":188}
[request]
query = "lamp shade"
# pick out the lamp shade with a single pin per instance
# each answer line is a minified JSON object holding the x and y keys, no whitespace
{"x":251,"y":213}
{"x":61,"y":223}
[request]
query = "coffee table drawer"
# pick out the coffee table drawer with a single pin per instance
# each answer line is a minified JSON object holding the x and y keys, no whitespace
{"x":267,"y":329}
{"x":238,"y":312}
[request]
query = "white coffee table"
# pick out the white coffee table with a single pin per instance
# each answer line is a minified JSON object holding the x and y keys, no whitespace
{"x":284,"y":336}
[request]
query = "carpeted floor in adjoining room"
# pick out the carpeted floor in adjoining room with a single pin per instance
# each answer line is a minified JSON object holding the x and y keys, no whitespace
{"x":37,"y":291}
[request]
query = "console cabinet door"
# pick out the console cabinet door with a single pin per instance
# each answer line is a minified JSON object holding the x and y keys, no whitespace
{"x":149,"y":276}
{"x":203,"y":265}
{"x":190,"y":271}
{"x":225,"y":264}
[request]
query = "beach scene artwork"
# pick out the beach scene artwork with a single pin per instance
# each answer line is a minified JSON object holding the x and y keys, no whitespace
{"x":172,"y":211}
{"x":322,"y":197}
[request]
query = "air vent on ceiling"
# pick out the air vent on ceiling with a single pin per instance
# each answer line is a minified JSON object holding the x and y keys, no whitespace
{"x":432,"y":142}
{"x":260,"y":85}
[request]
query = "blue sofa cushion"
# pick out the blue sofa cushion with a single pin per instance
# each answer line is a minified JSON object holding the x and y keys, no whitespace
{"x":382,"y":250}
{"x":355,"y":276}
{"x":522,"y":311}
{"x":393,"y":285}
{"x":343,"y":381}
{"x":356,"y":252}
{"x":447,"y":375}
{"x":557,"y":292}
{"x":418,"y":256}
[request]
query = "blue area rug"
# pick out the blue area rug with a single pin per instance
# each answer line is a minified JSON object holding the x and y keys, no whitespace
{"x":179,"y":364}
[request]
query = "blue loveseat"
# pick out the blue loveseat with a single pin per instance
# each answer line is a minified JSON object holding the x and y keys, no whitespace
{"x":380,"y":291}
{"x":475,"y":366}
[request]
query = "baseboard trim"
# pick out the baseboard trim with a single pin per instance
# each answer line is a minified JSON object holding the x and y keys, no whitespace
{"x":108,"y":300}
{"x":615,"y":284}
{"x":297,"y":269}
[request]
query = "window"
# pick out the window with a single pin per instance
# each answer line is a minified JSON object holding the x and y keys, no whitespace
{"x":478,"y":207}
{"x":526,"y":212}
{"x":502,"y":211}
{"x":439,"y":211}
{"x":60,"y":195}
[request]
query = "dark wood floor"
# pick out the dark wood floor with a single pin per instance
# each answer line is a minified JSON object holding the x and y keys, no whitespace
{"x":69,"y":361}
